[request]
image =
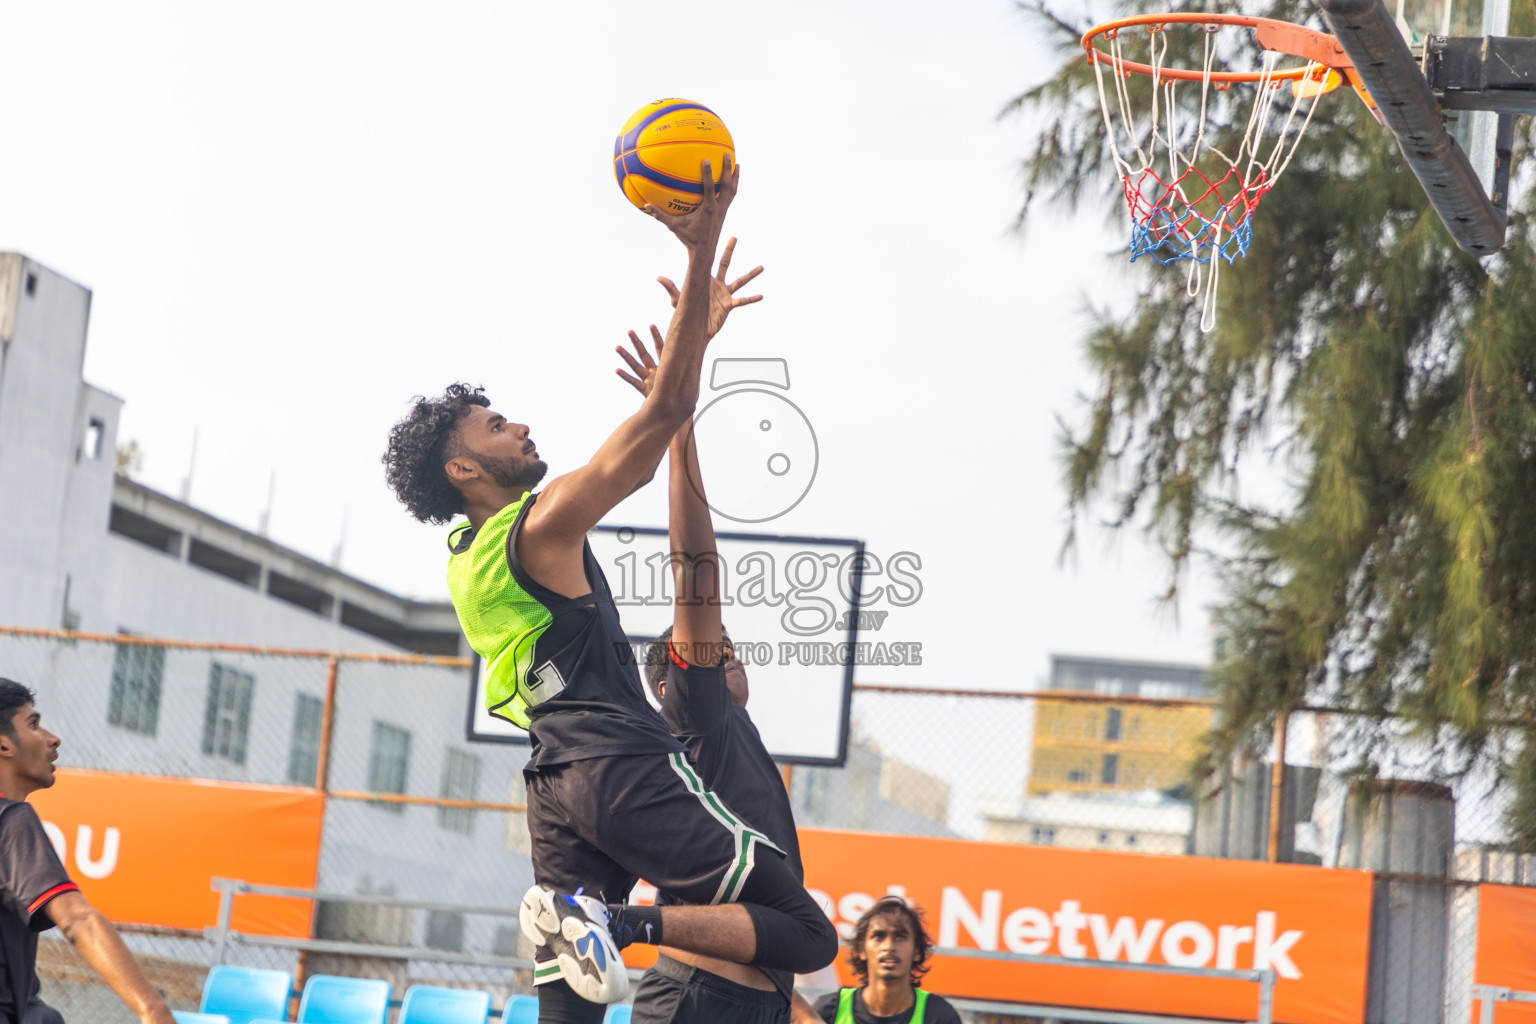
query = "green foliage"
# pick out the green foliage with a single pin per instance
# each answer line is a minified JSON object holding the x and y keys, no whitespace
{"x":1391,"y":374}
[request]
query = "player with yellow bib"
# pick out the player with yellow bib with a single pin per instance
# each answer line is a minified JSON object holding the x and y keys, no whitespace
{"x":889,"y":954}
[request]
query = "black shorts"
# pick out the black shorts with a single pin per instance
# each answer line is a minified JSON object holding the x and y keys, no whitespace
{"x":600,"y":824}
{"x":676,"y":993}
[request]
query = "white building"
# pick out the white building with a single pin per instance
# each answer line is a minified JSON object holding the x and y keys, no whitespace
{"x":84,"y":549}
{"x":1137,"y":822}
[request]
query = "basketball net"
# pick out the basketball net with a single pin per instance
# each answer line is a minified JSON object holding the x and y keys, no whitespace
{"x":1180,"y":211}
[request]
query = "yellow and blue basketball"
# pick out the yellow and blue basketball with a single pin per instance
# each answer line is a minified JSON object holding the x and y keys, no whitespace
{"x":657,"y":154}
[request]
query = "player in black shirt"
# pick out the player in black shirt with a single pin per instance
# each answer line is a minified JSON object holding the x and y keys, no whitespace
{"x":35,"y":891}
{"x":889,"y":953}
{"x":599,"y":816}
{"x":702,"y":689}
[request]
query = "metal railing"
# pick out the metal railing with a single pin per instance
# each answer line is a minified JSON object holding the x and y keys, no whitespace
{"x":1492,"y":995}
{"x":221,"y":935}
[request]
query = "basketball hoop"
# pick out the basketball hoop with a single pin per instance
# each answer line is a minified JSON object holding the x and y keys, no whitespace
{"x":1188,"y":199}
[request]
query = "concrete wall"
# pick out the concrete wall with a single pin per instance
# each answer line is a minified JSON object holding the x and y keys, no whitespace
{"x":49,"y":487}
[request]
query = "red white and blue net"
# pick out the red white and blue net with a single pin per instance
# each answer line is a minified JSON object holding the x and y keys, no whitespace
{"x":1191,"y":200}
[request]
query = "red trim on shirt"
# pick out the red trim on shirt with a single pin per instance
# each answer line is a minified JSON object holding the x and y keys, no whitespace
{"x":679,"y":662}
{"x":50,"y":894}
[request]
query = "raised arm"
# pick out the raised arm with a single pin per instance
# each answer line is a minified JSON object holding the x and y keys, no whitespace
{"x":696,"y":630}
{"x":549,"y":545}
{"x":695,"y":559}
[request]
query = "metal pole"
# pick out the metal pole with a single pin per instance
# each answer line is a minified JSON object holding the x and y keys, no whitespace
{"x":1277,"y":788}
{"x":322,"y":782}
{"x":226,"y":898}
{"x":1267,"y":998}
{"x":327,"y":722}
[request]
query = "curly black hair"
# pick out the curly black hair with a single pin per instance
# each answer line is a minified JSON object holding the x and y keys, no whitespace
{"x":421,"y":444}
{"x":921,"y":944}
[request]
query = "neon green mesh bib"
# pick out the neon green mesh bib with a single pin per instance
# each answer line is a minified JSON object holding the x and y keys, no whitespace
{"x":500,"y":619}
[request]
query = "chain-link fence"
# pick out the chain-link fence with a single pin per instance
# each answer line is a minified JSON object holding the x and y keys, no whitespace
{"x":414,"y":810}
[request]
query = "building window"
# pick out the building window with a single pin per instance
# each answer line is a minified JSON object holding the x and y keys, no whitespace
{"x":227,"y":715}
{"x":136,"y":674}
{"x":459,"y":772}
{"x":304,"y":754}
{"x":1077,"y":775}
{"x":95,"y":430}
{"x":1130,"y":840}
{"x":389,"y":762}
{"x":1111,"y":769}
{"x":1041,"y":836}
{"x":1112,"y":724}
{"x":1103,"y":838}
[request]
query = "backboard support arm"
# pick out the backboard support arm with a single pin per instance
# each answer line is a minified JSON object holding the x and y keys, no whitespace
{"x":1370,"y":37}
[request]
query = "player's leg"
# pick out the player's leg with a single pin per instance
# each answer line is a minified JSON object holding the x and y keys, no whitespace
{"x":577,"y":968}
{"x":653,"y":816}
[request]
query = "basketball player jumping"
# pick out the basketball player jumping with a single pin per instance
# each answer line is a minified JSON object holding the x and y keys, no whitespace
{"x":702,"y":688}
{"x":611,"y":795}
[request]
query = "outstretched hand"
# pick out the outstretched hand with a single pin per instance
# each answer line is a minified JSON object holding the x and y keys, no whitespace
{"x":699,"y":230}
{"x":722,"y":296}
{"x":644,"y":367}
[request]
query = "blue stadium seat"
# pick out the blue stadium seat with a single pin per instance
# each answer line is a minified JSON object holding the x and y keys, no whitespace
{"x":521,"y":1010}
{"x":188,"y":1017}
{"x":245,"y":993}
{"x":425,"y":1004}
{"x":329,"y":999}
{"x":619,"y":1013}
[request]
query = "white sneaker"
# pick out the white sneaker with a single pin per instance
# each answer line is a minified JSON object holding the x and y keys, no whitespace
{"x":575,"y":929}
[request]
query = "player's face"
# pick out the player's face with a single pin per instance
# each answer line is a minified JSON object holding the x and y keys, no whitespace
{"x":889,"y":947}
{"x":503,"y":449}
{"x":735,"y":676}
{"x":34,"y":749}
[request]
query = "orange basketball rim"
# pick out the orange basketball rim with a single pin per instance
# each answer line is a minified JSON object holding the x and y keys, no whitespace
{"x":1191,"y":193}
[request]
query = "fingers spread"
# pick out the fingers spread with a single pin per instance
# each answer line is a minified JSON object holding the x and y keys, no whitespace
{"x":671,"y":288}
{"x":633,"y":365}
{"x":746,"y":301}
{"x":725,"y":259}
{"x":645,"y":356}
{"x":657,"y":339}
{"x":744,"y":278}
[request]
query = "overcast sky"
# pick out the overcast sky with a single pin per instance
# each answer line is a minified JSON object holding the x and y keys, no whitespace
{"x":295,"y":216}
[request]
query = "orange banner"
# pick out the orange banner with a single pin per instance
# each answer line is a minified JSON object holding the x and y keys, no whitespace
{"x":1506,"y":948}
{"x":1311,"y":925}
{"x":143,"y":849}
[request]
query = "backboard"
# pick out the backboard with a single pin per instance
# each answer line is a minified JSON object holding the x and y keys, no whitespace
{"x":791,"y":607}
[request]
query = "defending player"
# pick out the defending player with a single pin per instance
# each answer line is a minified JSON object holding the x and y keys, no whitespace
{"x":888,"y":953}
{"x":35,"y":891}
{"x":610,"y":793}
{"x":702,"y":689}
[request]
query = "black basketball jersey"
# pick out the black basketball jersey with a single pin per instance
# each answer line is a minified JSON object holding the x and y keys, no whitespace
{"x":591,"y":699}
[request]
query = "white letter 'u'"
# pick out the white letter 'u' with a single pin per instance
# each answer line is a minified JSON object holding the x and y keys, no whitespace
{"x":109,"y":845}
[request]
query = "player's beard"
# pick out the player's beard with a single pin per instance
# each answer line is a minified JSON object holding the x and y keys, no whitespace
{"x":512,"y":473}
